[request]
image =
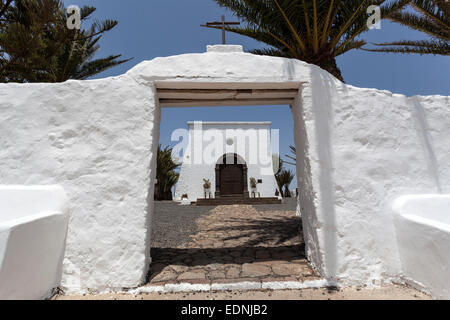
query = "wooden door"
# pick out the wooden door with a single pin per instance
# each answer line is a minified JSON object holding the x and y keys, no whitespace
{"x":231,"y":180}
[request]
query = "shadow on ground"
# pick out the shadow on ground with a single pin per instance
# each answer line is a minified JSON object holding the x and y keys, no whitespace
{"x":221,"y":258}
{"x":238,"y":255}
{"x":263,"y":231}
{"x":172,"y":224}
{"x":240,"y":243}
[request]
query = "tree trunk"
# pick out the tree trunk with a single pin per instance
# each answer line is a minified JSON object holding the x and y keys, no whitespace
{"x":156,"y":192}
{"x":331,"y":67}
{"x":327,"y":62}
{"x":287,"y":192}
{"x":168,"y":195}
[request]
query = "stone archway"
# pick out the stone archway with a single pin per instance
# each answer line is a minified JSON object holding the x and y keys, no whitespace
{"x":231,"y":177}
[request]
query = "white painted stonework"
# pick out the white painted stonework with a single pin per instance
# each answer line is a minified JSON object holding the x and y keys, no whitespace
{"x":225,"y":49}
{"x":208,"y":142}
{"x":358,"y":150}
{"x":33,"y":229}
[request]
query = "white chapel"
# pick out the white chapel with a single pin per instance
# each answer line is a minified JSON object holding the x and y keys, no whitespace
{"x":235,"y":158}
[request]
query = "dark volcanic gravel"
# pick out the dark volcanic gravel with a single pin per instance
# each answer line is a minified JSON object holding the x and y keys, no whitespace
{"x":289,"y":204}
{"x":173,"y":224}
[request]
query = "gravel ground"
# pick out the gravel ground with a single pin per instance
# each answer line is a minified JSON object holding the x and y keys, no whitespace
{"x":234,"y":243}
{"x":289,"y":204}
{"x":173,"y":224}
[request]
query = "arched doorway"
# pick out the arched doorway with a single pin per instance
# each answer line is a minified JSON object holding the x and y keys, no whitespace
{"x":231,"y":177}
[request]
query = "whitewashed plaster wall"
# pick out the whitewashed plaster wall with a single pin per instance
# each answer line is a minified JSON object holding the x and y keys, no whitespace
{"x":361,"y":148}
{"x":96,"y":139}
{"x":249,"y":140}
{"x":366,"y":148}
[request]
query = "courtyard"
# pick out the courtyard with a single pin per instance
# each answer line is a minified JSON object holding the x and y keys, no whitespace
{"x":236,"y":244}
{"x":223,"y":244}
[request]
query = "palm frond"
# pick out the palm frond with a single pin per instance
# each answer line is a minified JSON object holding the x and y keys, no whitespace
{"x":97,"y":66}
{"x":315,"y":31}
{"x":431,"y":17}
{"x":270,"y":52}
{"x":419,"y":47}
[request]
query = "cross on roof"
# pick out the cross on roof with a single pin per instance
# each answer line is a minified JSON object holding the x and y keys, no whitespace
{"x":220,"y":25}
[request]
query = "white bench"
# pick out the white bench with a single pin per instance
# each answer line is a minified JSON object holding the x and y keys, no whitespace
{"x":33,"y":229}
{"x":423,"y":235}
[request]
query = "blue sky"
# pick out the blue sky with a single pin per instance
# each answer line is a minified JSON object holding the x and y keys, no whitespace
{"x":153,"y":28}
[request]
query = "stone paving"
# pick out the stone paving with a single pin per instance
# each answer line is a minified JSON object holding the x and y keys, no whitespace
{"x":235,"y":244}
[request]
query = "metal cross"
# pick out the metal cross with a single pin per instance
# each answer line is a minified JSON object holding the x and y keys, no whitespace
{"x":220,"y":25}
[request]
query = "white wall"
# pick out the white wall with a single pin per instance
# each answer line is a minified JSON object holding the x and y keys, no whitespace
{"x":18,"y":202}
{"x":362,"y":148}
{"x":366,"y":147}
{"x":96,"y":139}
{"x":202,"y":155}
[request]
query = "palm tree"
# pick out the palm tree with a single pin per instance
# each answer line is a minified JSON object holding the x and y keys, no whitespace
{"x":75,"y":57}
{"x":292,"y":157}
{"x":315,"y":31}
{"x":284,"y":179}
{"x":37,"y":46}
{"x":165,"y":173}
{"x":280,"y":182}
{"x":429,"y":16}
{"x":288,"y":176}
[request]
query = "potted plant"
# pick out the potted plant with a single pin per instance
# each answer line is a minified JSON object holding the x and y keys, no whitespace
{"x":185,"y":200}
{"x":207,"y":188}
{"x":253,"y":184}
